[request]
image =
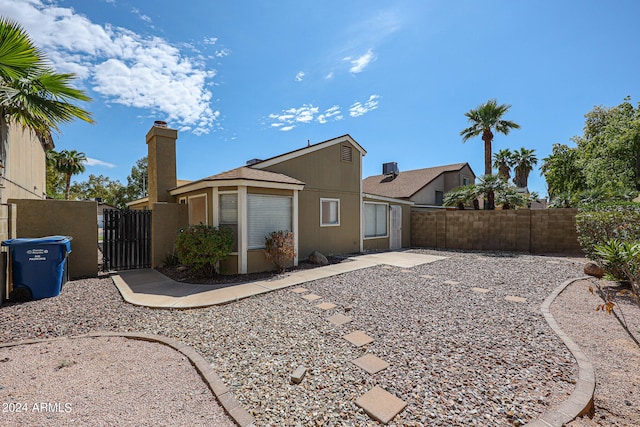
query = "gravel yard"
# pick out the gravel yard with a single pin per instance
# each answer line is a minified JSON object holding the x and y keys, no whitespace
{"x":457,"y":356}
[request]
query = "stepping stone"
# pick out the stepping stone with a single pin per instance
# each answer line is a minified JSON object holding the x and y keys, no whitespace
{"x":339,"y":319}
{"x":515,"y":299}
{"x":326,"y":306}
{"x":481,"y":290}
{"x":358,"y":338}
{"x":451,"y":282}
{"x":370,"y":363}
{"x":299,"y":290}
{"x":311,"y":297}
{"x":387,"y":267}
{"x":553,"y":262}
{"x":406,"y":271}
{"x":426,"y":276}
{"x":381,"y":405}
{"x":298,"y":375}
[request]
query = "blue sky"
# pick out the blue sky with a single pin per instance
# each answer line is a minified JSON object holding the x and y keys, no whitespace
{"x":253,"y":79}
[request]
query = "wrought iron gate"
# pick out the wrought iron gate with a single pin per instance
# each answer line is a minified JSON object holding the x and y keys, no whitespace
{"x":126,"y":239}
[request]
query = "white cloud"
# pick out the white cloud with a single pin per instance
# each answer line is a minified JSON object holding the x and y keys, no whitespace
{"x":140,"y":15}
{"x":96,"y":162}
{"x":358,"y":108}
{"x":329,"y":76}
{"x":222,"y":53}
{"x":360,"y":63}
{"x":210,"y":40}
{"x":300,"y":76}
{"x":290,"y":118}
{"x":127,"y":68}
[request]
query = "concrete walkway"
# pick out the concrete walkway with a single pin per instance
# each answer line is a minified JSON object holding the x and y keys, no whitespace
{"x":150,"y":288}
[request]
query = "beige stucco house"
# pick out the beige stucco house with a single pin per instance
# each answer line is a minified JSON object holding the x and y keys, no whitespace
{"x":424,"y":187}
{"x":315,"y":192}
{"x":23,"y":165}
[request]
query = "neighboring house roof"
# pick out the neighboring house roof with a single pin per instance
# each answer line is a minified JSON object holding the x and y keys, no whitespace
{"x":406,"y":183}
{"x":308,"y":149}
{"x":244,"y":173}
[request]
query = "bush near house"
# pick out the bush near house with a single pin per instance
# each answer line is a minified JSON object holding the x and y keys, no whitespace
{"x":279,"y":248}
{"x":598,"y":224}
{"x":202,"y":247}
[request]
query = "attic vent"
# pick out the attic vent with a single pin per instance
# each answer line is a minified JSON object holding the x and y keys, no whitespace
{"x":346,"y":153}
{"x":390,"y":168}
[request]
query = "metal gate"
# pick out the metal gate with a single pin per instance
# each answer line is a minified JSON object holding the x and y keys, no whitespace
{"x":126,"y":240}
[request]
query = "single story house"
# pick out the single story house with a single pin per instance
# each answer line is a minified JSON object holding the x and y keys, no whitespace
{"x":423,"y":187}
{"x":315,"y":192}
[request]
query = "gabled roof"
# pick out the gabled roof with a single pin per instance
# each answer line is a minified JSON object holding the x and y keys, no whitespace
{"x":308,"y":149}
{"x":406,"y":183}
{"x":244,"y":174}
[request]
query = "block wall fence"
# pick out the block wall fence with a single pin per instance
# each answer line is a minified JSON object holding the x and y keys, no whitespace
{"x":548,"y":231}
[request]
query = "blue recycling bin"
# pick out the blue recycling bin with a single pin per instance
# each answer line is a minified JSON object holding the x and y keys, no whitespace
{"x":39,"y":265}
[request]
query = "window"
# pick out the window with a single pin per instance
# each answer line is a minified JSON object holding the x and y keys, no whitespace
{"x":183,"y":200}
{"x":265,"y":214}
{"x":229,"y":215}
{"x":375,"y":220}
{"x":465,"y":181}
{"x":439,"y":198}
{"x":329,"y":212}
{"x":346,"y":153}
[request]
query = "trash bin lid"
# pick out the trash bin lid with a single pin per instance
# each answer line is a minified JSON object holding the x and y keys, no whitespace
{"x":40,"y":241}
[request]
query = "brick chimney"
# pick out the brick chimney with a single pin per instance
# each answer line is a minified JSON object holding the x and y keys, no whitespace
{"x":161,"y":146}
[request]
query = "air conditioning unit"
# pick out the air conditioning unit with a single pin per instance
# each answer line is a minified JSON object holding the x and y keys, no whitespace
{"x":390,"y":168}
{"x":253,"y":161}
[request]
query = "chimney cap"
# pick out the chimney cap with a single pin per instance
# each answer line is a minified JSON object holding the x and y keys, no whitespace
{"x":160,"y":123}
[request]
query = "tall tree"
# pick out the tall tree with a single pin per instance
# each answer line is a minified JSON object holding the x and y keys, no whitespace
{"x":69,"y":162}
{"x":55,"y":178}
{"x":484,"y":120}
{"x":111,"y":192}
{"x":523,"y":161}
{"x":137,"y":181}
{"x":562,"y":172}
{"x":32,"y":94}
{"x":502,"y":161}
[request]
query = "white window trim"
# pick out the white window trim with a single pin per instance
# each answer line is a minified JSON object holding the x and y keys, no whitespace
{"x":206,"y":208}
{"x":326,"y":199}
{"x":182,"y":201}
{"x":387,"y":219}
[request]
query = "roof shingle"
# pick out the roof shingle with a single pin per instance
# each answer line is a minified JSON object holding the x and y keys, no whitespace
{"x":406,"y":183}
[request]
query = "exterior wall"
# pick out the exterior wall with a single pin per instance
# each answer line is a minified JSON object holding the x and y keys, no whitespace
{"x":454,"y":180}
{"x":523,"y":230}
{"x":427,"y":195}
{"x":7,"y":231}
{"x":24,"y":174}
{"x":229,"y":265}
{"x":66,"y":218}
{"x":326,"y":176}
{"x":166,"y":220}
{"x":383,"y":243}
{"x":257,"y":261}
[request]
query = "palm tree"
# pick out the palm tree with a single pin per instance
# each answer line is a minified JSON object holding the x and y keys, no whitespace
{"x":69,"y":162}
{"x":489,"y":185}
{"x":484,"y":120}
{"x":32,"y":94}
{"x":523,"y":160}
{"x":502,"y":161}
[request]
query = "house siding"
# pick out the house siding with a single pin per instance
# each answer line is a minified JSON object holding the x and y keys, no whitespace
{"x":24,"y":174}
{"x":427,"y":195}
{"x":326,"y":176}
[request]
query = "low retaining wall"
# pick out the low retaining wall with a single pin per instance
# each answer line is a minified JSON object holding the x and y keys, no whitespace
{"x":548,"y":231}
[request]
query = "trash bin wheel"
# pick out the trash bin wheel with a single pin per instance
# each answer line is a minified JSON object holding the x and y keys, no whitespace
{"x":20,"y":295}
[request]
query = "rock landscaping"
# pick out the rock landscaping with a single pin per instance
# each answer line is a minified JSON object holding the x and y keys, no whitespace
{"x":453,"y":355}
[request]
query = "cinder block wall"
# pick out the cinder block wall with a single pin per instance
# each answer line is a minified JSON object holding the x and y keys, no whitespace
{"x":523,"y":230}
{"x":166,"y":220}
{"x":40,"y":218}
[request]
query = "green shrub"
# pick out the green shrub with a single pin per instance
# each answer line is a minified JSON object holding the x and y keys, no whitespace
{"x":279,"y":248}
{"x":599,"y":223}
{"x":202,"y":247}
{"x":623,"y":258}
